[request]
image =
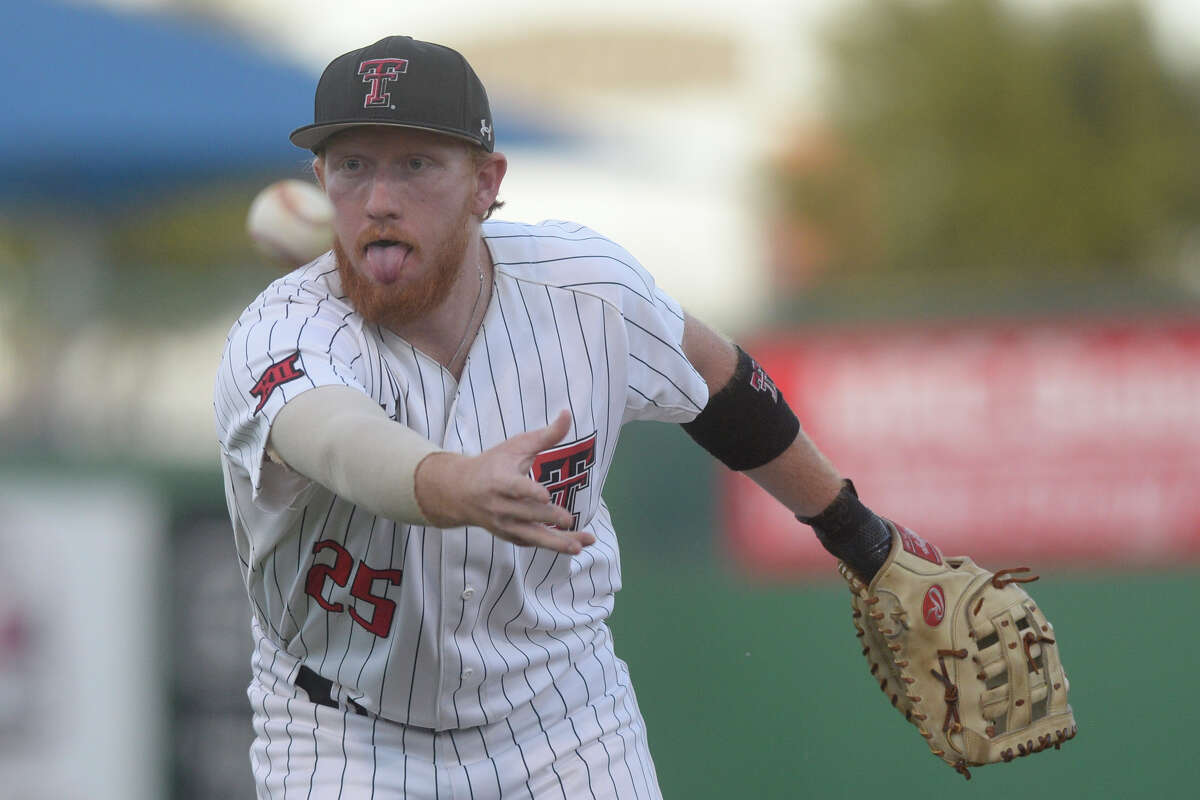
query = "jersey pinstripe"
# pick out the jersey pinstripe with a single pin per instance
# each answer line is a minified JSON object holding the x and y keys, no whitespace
{"x":451,"y":629}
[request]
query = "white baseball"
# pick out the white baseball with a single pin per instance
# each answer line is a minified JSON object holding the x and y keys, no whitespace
{"x":291,"y":222}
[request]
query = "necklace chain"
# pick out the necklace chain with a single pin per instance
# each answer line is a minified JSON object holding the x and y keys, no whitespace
{"x":470,"y":319}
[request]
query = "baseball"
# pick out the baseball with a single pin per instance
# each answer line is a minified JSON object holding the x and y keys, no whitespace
{"x":291,"y":222}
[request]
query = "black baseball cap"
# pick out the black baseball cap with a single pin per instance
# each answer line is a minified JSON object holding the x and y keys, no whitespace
{"x":402,"y":82}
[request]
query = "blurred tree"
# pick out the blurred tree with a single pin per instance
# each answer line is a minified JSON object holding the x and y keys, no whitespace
{"x":184,"y":256}
{"x":827,"y":209}
{"x":991,"y":144}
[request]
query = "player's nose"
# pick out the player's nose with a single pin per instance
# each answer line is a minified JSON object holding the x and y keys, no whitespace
{"x":384,"y":199}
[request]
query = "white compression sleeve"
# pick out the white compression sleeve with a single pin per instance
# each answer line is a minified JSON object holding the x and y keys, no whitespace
{"x":339,"y":437}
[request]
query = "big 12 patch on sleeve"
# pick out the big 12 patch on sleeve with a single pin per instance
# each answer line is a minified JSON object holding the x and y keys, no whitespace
{"x":274,"y":376}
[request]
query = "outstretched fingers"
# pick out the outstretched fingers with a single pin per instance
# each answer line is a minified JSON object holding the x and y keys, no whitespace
{"x":534,"y":535}
{"x":523,"y":488}
{"x":532,"y":503}
{"x":514,"y":506}
{"x":529,"y":444}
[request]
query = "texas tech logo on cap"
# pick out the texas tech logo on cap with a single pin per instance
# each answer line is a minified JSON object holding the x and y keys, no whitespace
{"x":377,"y":72}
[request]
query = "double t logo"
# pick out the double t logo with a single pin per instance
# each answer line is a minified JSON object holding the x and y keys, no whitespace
{"x":376,"y":73}
{"x":565,"y":470}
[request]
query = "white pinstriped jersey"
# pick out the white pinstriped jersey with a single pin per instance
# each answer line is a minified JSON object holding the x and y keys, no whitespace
{"x":450,"y":629}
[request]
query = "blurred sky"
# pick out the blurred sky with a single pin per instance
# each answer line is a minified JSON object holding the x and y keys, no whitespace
{"x":681,"y":131}
{"x":701,"y":129}
{"x":312,"y":29}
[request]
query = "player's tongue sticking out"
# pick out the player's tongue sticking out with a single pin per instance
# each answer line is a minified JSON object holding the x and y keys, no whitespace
{"x":385,"y":260}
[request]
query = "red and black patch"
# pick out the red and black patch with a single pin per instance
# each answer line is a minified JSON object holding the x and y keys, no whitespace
{"x":564,"y":470}
{"x":274,"y":376}
{"x":760,"y":381}
{"x":918,"y":546}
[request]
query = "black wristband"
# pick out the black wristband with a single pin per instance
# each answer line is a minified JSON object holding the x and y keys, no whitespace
{"x":852,"y":532}
{"x":747,"y":423}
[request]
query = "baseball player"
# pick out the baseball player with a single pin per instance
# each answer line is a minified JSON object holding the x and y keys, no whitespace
{"x":415,"y":432}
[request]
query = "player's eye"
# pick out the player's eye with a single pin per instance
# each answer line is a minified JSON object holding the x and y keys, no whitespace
{"x":351,"y":164}
{"x":416,"y":164}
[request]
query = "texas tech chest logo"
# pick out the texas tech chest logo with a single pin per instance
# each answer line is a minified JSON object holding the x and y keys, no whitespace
{"x":565,"y":470}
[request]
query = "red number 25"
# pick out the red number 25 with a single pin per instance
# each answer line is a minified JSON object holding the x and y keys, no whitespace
{"x":339,"y":571}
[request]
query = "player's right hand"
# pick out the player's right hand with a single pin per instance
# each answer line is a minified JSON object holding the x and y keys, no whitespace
{"x":494,"y":490}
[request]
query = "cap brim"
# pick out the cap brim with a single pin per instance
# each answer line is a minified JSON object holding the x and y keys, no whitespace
{"x":310,"y":137}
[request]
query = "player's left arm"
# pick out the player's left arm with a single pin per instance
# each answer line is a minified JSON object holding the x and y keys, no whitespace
{"x":748,"y":425}
{"x":1014,"y":707}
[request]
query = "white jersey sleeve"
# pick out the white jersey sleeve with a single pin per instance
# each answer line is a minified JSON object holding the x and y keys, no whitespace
{"x":663,"y":384}
{"x":294,"y":337}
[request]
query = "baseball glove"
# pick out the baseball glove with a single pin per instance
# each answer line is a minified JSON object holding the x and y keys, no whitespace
{"x":963,"y":653}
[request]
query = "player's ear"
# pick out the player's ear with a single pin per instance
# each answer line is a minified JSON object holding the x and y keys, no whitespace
{"x":489,"y":174}
{"x":318,"y":168}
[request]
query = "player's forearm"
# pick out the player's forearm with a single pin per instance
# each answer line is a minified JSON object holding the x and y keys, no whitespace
{"x":806,"y":482}
{"x":801,"y":478}
{"x":341,"y":439}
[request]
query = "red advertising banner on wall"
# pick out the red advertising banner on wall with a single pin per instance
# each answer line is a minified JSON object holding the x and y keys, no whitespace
{"x":1044,"y":443}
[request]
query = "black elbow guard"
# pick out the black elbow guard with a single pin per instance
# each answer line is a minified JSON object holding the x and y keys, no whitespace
{"x":747,"y":423}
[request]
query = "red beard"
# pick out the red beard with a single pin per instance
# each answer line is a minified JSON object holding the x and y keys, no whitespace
{"x":395,"y":306}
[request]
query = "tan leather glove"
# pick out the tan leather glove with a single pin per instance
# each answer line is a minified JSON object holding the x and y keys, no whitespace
{"x":963,"y":653}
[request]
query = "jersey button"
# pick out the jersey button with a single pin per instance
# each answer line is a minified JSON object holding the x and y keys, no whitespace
{"x":468,"y":672}
{"x":468,"y":593}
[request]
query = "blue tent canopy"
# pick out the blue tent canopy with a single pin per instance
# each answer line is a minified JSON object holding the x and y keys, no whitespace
{"x":100,"y":105}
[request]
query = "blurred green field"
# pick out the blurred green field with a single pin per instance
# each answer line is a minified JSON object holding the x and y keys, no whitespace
{"x":762,"y":692}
